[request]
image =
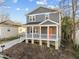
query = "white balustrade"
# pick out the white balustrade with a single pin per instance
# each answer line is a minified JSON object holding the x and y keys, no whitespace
{"x":43,"y":36}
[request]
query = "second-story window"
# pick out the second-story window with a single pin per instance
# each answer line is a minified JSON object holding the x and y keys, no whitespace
{"x":46,"y":16}
{"x":32,"y":18}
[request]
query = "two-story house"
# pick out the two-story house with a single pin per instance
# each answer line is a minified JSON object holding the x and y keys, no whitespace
{"x":44,"y":24}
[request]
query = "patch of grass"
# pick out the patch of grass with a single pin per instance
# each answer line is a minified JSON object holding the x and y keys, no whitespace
{"x":8,"y":39}
{"x":76,"y":53}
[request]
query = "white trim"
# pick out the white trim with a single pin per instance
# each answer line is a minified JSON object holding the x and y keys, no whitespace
{"x":40,"y":42}
{"x":50,"y":21}
{"x":60,"y":25}
{"x":26,"y":33}
{"x":41,"y":25}
{"x":56,"y":45}
{"x":48,"y":32}
{"x":32,"y":31}
{"x":43,"y":39}
{"x":40,"y":32}
{"x":26,"y":36}
{"x":32,"y":35}
{"x":48,"y":43}
{"x":46,"y":15}
{"x":32,"y":18}
{"x":57,"y":32}
{"x":40,"y":37}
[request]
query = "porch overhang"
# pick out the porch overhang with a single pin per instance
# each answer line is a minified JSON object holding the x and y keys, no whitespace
{"x":48,"y":20}
{"x":43,"y":23}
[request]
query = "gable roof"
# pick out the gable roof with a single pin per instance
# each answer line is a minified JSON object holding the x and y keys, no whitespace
{"x":42,"y":9}
{"x":49,"y":22}
{"x":10,"y":22}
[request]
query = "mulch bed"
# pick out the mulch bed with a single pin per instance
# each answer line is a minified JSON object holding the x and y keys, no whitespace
{"x":34,"y":51}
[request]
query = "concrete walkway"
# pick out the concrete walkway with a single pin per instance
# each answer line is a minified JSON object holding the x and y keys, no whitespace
{"x":1,"y":56}
{"x":11,"y":43}
{"x":4,"y":57}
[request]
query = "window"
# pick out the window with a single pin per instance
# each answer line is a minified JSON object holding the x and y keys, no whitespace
{"x":30,"y":29}
{"x":32,"y":18}
{"x":46,"y":16}
{"x":8,"y":30}
{"x":35,"y":30}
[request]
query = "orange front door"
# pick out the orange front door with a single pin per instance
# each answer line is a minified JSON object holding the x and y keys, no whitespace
{"x":52,"y":30}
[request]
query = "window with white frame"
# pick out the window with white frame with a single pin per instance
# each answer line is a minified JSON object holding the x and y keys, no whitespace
{"x":36,"y":30}
{"x":30,"y":29}
{"x":32,"y":18}
{"x":46,"y":16}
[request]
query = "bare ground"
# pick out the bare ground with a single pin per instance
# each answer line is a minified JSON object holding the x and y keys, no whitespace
{"x":34,"y":51}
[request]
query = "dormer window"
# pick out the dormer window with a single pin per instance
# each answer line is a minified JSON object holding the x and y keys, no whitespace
{"x":46,"y":16}
{"x":32,"y":18}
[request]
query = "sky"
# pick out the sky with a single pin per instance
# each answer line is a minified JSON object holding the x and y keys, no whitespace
{"x":16,"y":9}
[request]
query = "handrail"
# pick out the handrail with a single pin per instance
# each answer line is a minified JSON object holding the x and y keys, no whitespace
{"x":37,"y":35}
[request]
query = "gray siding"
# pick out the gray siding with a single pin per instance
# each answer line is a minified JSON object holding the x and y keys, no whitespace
{"x":54,"y":17}
{"x":48,"y":22}
{"x":40,"y":18}
{"x":28,"y":19}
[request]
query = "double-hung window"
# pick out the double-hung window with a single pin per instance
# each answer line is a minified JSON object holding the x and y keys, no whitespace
{"x":46,"y":16}
{"x":30,"y":30}
{"x":32,"y":18}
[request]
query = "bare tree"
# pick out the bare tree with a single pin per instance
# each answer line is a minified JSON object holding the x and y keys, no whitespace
{"x":74,"y":9}
{"x":71,"y":7}
{"x":3,"y":17}
{"x":3,"y":11}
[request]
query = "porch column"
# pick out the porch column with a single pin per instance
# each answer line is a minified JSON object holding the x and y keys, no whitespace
{"x":56,"y":45}
{"x":56,"y":42}
{"x":32,"y":35}
{"x":40,"y":37}
{"x":26,"y":35}
{"x":48,"y":42}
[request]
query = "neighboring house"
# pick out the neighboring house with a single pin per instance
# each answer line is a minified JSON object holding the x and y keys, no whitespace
{"x":8,"y":29}
{"x":44,"y":24}
{"x":77,"y":34}
{"x":22,"y":31}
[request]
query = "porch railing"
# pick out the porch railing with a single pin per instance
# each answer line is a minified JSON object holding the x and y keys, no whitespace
{"x":29,"y":35}
{"x":43,"y":36}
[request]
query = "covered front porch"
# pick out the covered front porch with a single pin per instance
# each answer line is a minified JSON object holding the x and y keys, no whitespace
{"x":42,"y":33}
{"x":45,"y":31}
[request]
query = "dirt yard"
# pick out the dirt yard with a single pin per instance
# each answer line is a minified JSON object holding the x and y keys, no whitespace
{"x":34,"y":51}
